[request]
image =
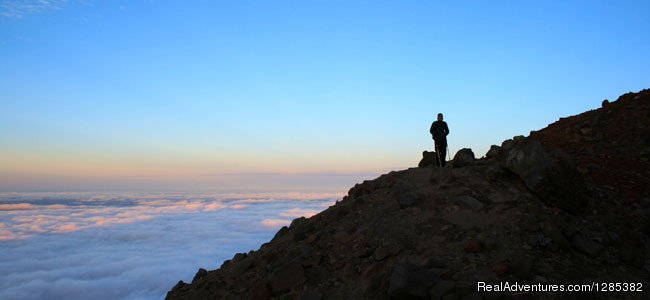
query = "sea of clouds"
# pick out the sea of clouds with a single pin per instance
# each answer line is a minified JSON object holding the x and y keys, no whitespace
{"x":132,"y":246}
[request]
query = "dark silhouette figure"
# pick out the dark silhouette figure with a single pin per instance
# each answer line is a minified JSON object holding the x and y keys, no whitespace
{"x":439,"y":132}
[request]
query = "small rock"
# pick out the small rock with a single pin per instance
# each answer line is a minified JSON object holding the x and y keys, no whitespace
{"x":394,"y":249}
{"x":631,"y":254}
{"x":488,"y":240}
{"x":316,"y":274}
{"x":473,"y":246}
{"x":585,"y":245}
{"x":281,"y":232}
{"x":380,"y":254}
{"x":242,"y":266}
{"x":605,"y":103}
{"x":287,"y":276}
{"x":442,"y":288}
{"x":464,"y":288}
{"x":342,"y":237}
{"x":261,"y":291}
{"x":519,"y":139}
{"x":281,"y":297}
{"x":404,"y":195}
{"x":612,"y":260}
{"x":434,"y":263}
{"x":409,"y":281}
{"x":239,"y":256}
{"x":473,"y":296}
{"x":371,"y":271}
{"x":556,"y":235}
{"x":349,"y":271}
{"x":311,"y":295}
{"x":540,"y":279}
{"x":495,"y":171}
{"x":200,"y":274}
{"x":541,"y":241}
{"x":407,"y":199}
{"x":311,"y":238}
{"x":469,"y":202}
{"x":365,"y":251}
{"x":297,"y":222}
{"x":179,"y":286}
{"x":311,"y":261}
{"x":440,"y":175}
{"x":499,"y":269}
{"x":360,"y":189}
{"x":301,"y":231}
{"x":521,"y":266}
{"x":507,"y":145}
{"x":334,"y":262}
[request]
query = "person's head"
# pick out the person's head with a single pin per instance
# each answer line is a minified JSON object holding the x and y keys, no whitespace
{"x":440,"y":117}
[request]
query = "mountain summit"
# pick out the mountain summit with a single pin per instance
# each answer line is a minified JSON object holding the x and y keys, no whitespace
{"x":567,"y":205}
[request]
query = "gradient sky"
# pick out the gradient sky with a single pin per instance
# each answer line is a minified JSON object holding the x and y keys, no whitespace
{"x":113,"y":92}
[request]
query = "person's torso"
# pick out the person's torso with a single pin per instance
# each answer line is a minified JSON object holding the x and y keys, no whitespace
{"x":439,"y":129}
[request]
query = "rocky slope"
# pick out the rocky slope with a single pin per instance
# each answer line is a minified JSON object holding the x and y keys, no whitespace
{"x":569,"y":204}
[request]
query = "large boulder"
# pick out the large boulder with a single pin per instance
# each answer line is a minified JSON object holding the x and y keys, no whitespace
{"x":530,"y":162}
{"x":428,"y":159}
{"x":464,"y":157}
{"x":550,"y":177}
{"x":493,"y":152}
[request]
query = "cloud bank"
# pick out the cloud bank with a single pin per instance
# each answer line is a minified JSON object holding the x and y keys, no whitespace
{"x":132,"y":246}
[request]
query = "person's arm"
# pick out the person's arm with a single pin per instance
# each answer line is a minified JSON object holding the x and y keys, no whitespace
{"x":446,"y":129}
{"x":431,"y":129}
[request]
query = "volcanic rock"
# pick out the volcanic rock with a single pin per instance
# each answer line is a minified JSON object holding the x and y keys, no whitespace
{"x":585,"y":245}
{"x":469,"y":201}
{"x":473,"y":246}
{"x":493,"y":152}
{"x":311,"y":295}
{"x":408,"y":281}
{"x":521,"y":266}
{"x":567,"y":204}
{"x":287,"y":276}
{"x":500,"y":268}
{"x":200,"y":274}
{"x":548,"y":177}
{"x":442,"y":288}
{"x":464,"y":157}
{"x":429,"y":159}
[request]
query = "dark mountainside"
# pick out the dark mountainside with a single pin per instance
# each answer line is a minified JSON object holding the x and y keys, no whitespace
{"x":570,"y":204}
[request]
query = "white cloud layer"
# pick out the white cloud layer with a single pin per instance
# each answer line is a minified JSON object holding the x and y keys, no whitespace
{"x":20,"y":8}
{"x":16,"y":206}
{"x":274,"y":223}
{"x":135,"y":246}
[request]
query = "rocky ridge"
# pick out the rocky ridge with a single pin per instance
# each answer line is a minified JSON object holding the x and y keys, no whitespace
{"x":569,"y":204}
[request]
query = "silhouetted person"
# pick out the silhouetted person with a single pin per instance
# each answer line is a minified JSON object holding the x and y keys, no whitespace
{"x":439,"y":132}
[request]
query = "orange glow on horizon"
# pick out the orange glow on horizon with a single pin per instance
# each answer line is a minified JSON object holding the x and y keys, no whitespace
{"x":97,"y":166}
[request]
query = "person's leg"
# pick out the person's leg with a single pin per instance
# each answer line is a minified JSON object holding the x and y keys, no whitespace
{"x":439,"y":160}
{"x":443,"y":154}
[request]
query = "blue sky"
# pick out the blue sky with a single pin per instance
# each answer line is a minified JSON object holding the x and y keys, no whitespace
{"x":106,"y":90}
